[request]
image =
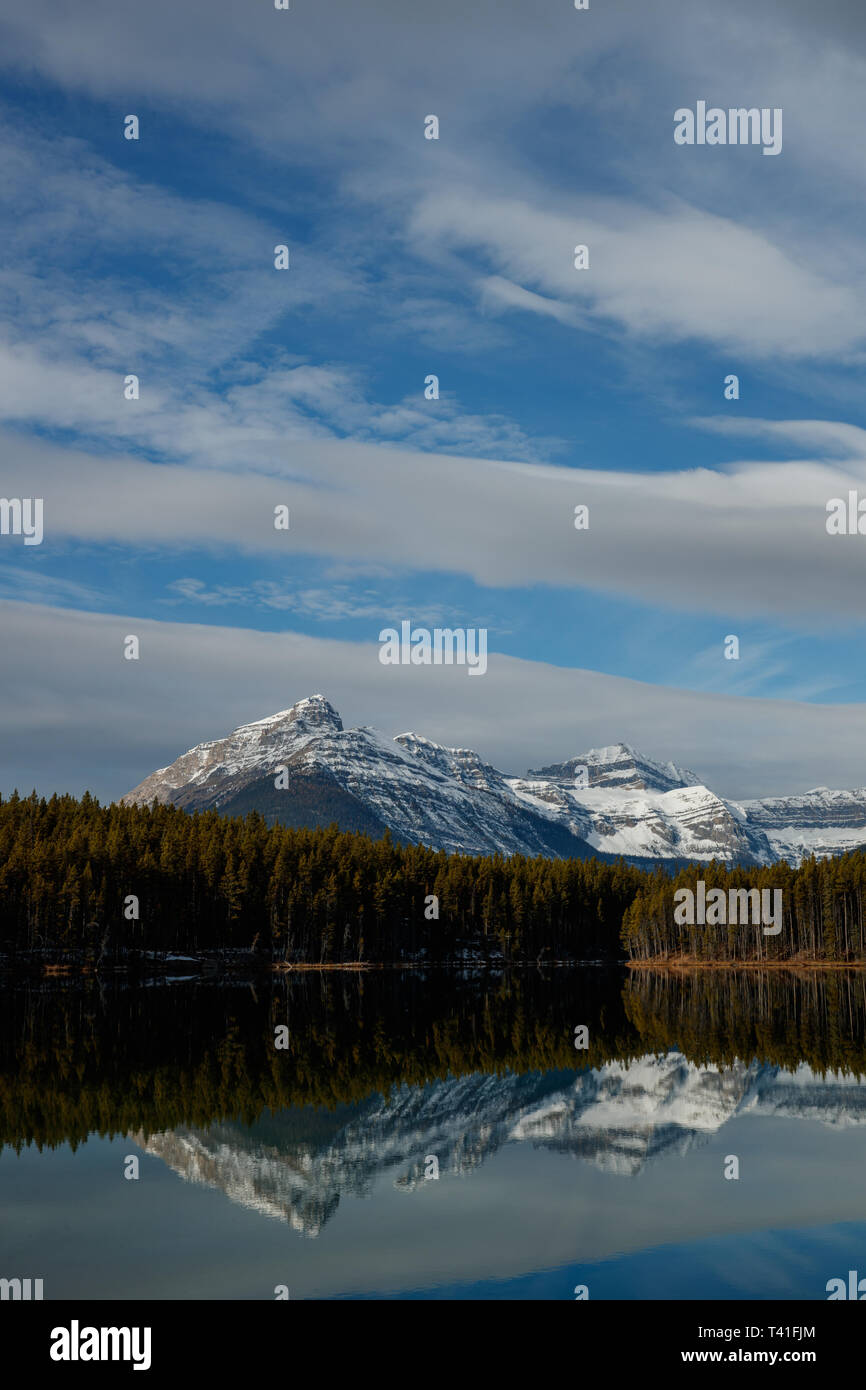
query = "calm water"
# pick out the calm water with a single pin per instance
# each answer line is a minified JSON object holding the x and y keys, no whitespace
{"x":306,"y":1167}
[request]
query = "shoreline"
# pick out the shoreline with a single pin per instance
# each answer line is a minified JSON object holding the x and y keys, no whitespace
{"x":681,"y":964}
{"x":209,"y":969}
{"x":215,"y":967}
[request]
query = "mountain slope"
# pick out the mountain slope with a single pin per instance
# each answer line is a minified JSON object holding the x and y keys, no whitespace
{"x":619,"y":1117}
{"x":301,"y":767}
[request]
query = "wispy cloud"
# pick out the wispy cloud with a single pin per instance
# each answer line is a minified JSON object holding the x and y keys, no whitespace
{"x":452,"y":257}
{"x":333,"y":604}
{"x":31,"y":585}
{"x":676,"y":274}
{"x":114,"y":721}
{"x":751,"y":537}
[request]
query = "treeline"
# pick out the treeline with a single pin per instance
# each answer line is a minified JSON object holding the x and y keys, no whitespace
{"x":99,"y":1057}
{"x":820,"y":913}
{"x":69,"y":869}
{"x":103,"y":883}
{"x":780,"y":1017}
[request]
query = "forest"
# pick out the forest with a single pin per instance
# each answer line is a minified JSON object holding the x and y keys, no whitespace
{"x":102,"y":884}
{"x":95,"y":1055}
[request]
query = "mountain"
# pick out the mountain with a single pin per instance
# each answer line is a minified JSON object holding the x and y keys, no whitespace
{"x":620,"y":1117}
{"x":301,"y":767}
{"x":819,"y":822}
{"x":619,"y":766}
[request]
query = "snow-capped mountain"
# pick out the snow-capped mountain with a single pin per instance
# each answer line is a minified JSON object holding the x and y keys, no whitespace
{"x":618,"y":1117}
{"x":819,"y":822}
{"x":301,"y":767}
{"x":618,"y":766}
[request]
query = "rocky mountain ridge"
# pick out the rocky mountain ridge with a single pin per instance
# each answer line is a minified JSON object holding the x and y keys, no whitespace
{"x":302,"y":767}
{"x":619,"y":1118}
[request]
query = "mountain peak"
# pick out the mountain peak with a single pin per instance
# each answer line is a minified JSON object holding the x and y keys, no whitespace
{"x":301,"y":767}
{"x":313,"y":710}
{"x":620,"y":765}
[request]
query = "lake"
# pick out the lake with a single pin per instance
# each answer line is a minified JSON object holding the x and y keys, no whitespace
{"x":435,"y":1134}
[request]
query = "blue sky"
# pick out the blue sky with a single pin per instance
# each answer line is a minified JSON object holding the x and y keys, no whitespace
{"x":455,"y":257}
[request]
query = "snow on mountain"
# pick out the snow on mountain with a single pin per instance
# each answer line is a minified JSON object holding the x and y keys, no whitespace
{"x":449,"y":798}
{"x":618,"y":765}
{"x":618,"y":1117}
{"x":687,"y":823}
{"x":253,"y":747}
{"x":820,"y":822}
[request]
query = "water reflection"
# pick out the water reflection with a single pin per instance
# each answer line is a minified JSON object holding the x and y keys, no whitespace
{"x":618,"y":1118}
{"x":100,"y":1058}
{"x":545,"y":1154}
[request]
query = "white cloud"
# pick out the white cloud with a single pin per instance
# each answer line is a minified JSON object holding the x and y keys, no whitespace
{"x":832,"y":437}
{"x":75,"y":714}
{"x":498,"y":293}
{"x":750,"y":539}
{"x":768,"y":286}
{"x":336,"y":603}
{"x":677,"y":273}
{"x":29,"y":584}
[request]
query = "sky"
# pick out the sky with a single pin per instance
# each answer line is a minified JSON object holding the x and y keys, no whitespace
{"x":409,"y":257}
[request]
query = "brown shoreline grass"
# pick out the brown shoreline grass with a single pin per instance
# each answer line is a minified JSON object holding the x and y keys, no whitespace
{"x":286,"y":967}
{"x":674,"y":964}
{"x":685,"y":963}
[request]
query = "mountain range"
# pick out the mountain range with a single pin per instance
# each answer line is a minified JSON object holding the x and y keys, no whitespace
{"x":300,"y":767}
{"x":619,"y":1117}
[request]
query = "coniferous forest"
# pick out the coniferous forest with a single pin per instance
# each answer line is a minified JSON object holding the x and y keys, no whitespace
{"x":98,"y":883}
{"x":78,"y":1058}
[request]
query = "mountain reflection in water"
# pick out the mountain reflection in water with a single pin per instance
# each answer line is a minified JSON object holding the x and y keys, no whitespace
{"x":618,"y":1117}
{"x":546,"y":1155}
